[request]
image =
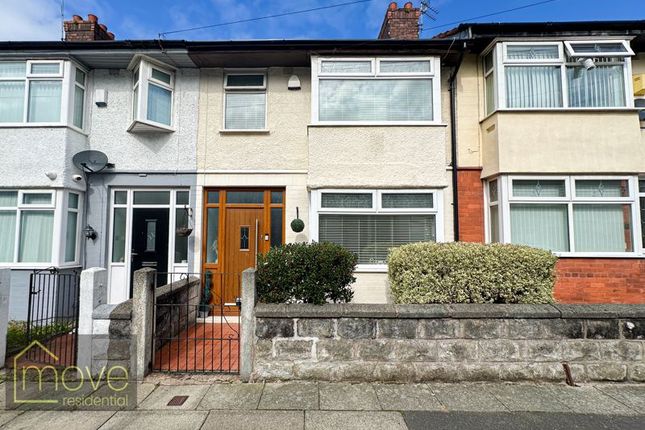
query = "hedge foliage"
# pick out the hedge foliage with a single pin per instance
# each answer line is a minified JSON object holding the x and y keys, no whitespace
{"x":471,"y":273}
{"x":315,"y":273}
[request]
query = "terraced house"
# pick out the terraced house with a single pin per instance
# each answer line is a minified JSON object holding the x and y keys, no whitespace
{"x":516,"y":133}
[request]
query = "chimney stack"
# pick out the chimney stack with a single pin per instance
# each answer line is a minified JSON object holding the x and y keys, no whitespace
{"x":80,"y":30}
{"x":400,"y":23}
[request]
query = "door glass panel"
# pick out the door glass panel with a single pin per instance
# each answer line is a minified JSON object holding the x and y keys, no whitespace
{"x":276,"y":196}
{"x":181,"y":242}
{"x":182,"y":197}
{"x":118,"y":236}
{"x":211,"y":235}
{"x":276,"y":227}
{"x":244,"y":238}
{"x":252,"y":197}
{"x":212,"y":197}
{"x":151,"y":235}
{"x":151,"y":197}
{"x":120,"y":197}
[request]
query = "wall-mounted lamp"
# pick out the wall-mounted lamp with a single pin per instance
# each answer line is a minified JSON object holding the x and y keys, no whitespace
{"x":89,"y":232}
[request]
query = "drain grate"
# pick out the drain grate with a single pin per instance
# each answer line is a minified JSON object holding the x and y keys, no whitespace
{"x":177,"y":401}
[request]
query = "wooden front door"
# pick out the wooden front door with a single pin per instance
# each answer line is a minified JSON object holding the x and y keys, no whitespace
{"x":238,"y":225}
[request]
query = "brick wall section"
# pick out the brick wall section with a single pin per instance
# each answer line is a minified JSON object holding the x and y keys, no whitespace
{"x":417,"y":343}
{"x":471,"y":205}
{"x":600,"y":280}
{"x":400,"y":23}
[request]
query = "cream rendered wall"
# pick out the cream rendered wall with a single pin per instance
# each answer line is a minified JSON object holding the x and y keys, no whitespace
{"x":283,"y":147}
{"x":565,"y":142}
{"x":469,"y":105}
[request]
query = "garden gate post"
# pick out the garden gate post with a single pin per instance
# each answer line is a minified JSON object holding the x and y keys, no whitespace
{"x":5,"y":287}
{"x":247,"y":322}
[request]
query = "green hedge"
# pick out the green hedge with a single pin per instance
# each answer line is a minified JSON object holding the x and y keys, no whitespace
{"x":306,"y":273}
{"x":471,"y":273}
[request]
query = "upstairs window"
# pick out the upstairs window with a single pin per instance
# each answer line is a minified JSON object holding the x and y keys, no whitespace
{"x":35,"y":91}
{"x":152,"y":96}
{"x":553,"y":75}
{"x":245,"y":101}
{"x":376,"y":90}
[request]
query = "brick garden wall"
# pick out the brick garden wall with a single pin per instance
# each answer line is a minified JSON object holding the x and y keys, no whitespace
{"x":404,"y":343}
{"x":600,"y":280}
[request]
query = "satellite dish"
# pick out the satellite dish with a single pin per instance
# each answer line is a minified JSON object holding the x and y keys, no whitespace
{"x":90,"y":161}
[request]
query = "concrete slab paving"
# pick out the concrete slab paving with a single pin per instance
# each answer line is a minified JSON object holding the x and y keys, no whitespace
{"x":348,"y":397}
{"x":408,"y":397}
{"x":467,"y":397}
{"x":139,"y":420}
{"x":67,"y":420}
{"x":255,"y":420}
{"x":6,"y":416}
{"x":527,"y":397}
{"x":160,"y":397}
{"x":232,"y":396}
{"x":290,"y":396}
{"x":631,"y":395}
{"x":353,"y":420}
{"x":588,"y":400}
{"x":143,"y":391}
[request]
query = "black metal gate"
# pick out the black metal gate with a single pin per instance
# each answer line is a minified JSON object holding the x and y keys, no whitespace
{"x":52,"y":317}
{"x":196,"y":323}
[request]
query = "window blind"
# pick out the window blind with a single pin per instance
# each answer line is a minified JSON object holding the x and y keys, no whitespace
{"x":540,"y":225}
{"x":533,"y":86}
{"x":159,"y":104}
{"x":602,"y":86}
{"x":245,"y":111}
{"x":44,"y":101}
{"x":371,"y":236}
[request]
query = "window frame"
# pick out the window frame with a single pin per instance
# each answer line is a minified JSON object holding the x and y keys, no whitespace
{"x":640,"y":210}
{"x":144,"y":65}
{"x":506,"y":198}
{"x":569,"y":45}
{"x":58,"y":207}
{"x":235,"y":89}
{"x":66,"y":75}
{"x":434,"y":75}
{"x":501,"y":61}
{"x":376,"y":209}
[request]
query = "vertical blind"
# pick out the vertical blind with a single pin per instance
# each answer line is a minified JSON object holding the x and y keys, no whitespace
{"x":371,"y":236}
{"x":375,"y":100}
{"x":118,"y":236}
{"x":602,"y":86}
{"x":44,"y":101}
{"x":533,"y":86}
{"x":70,"y":236}
{"x":602,"y":228}
{"x":540,"y":225}
{"x":159,"y":104}
{"x":12,"y":101}
{"x":7,"y":235}
{"x":36,"y":235}
{"x":245,"y":111}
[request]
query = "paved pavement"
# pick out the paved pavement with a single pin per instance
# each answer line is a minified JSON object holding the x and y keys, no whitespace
{"x":308,"y":405}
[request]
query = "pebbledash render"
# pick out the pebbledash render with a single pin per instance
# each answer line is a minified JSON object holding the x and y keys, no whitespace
{"x":518,"y":133}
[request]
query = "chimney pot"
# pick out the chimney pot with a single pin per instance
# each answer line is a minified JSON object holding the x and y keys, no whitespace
{"x":111,"y":35}
{"x":77,"y":18}
{"x":103,"y":26}
{"x":92,"y":18}
{"x":400,"y":23}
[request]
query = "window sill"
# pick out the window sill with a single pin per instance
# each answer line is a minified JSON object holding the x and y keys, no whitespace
{"x":635,"y":255}
{"x":242,"y":131}
{"x":34,"y":125}
{"x":143,"y":126}
{"x":377,"y":124}
{"x":560,"y":110}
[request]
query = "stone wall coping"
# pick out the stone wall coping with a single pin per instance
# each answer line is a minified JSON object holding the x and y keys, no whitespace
{"x":458,"y":311}
{"x":176,"y":286}
{"x":122,"y":311}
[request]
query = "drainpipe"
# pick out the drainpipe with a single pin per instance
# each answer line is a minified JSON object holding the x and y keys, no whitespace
{"x":453,"y":145}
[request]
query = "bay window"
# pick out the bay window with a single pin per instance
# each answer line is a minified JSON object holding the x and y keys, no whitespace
{"x":565,"y":214}
{"x":377,"y":90}
{"x":153,"y":85}
{"x":552,"y":75}
{"x":245,"y":101}
{"x":371,"y":222}
{"x":40,"y":92}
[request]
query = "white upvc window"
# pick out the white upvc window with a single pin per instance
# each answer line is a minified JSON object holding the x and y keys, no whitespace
{"x":376,"y":90}
{"x":41,"y":92}
{"x":641,"y":191}
{"x":245,"y":101}
{"x":558,"y":75}
{"x":569,"y":215}
{"x":370,"y":222}
{"x":39,"y":228}
{"x":153,"y":85}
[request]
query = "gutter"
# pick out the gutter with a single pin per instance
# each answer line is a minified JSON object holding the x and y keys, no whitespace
{"x":453,"y":145}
